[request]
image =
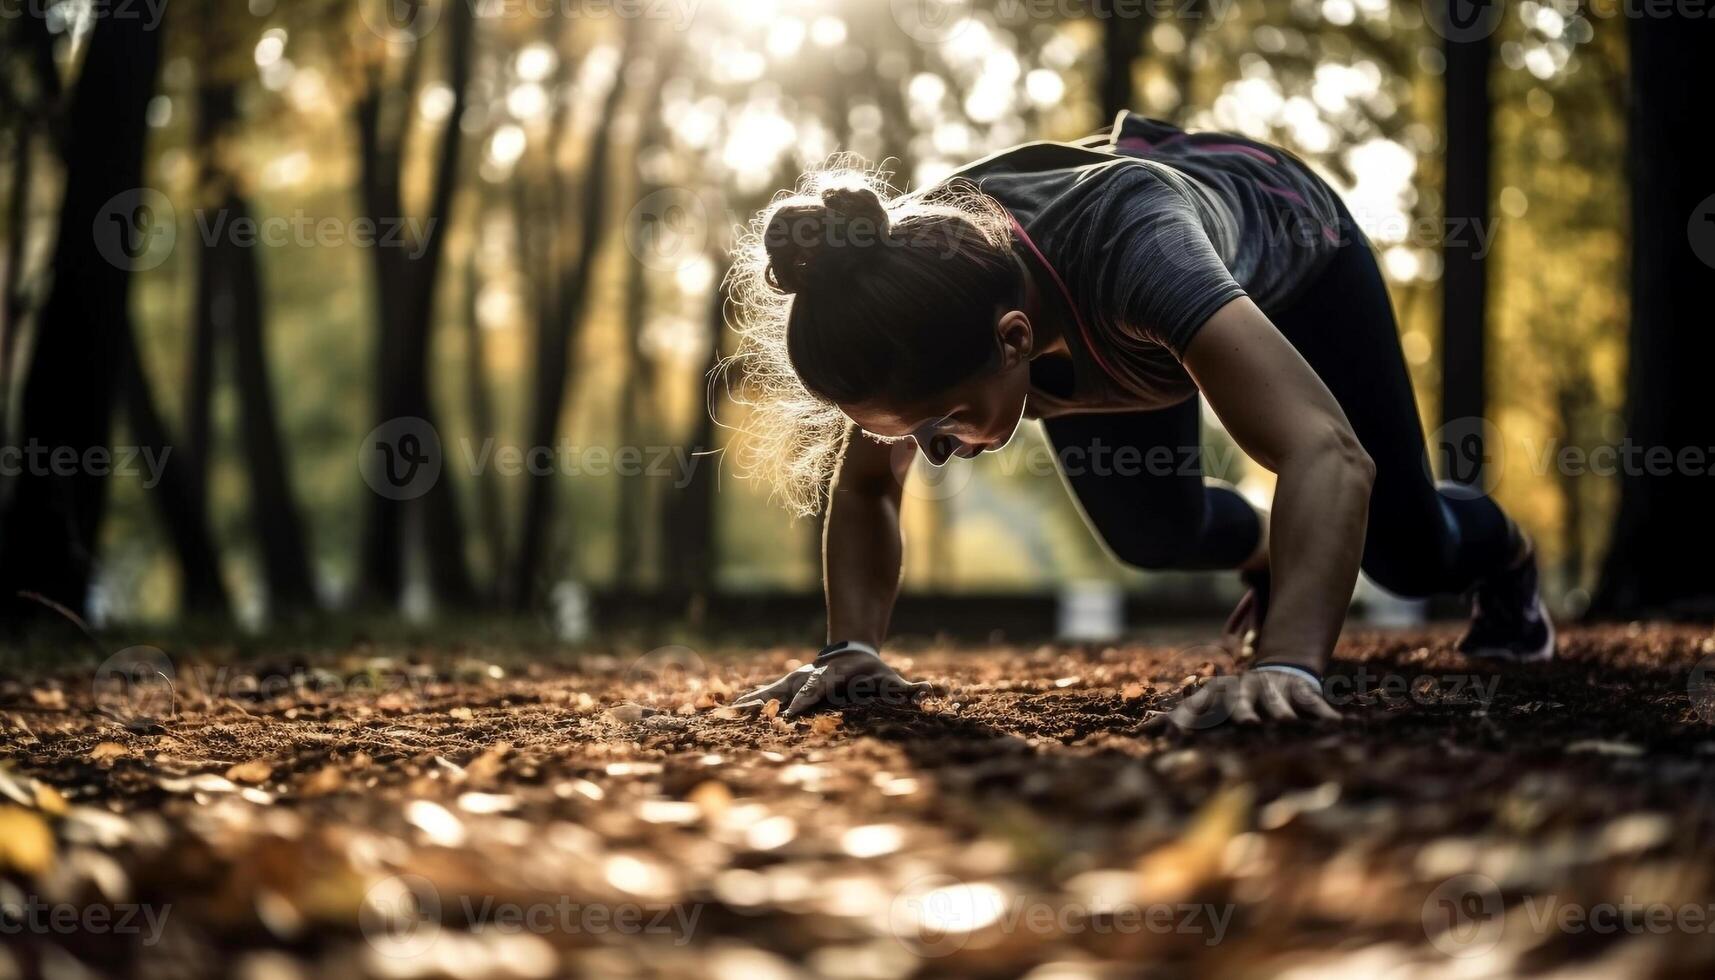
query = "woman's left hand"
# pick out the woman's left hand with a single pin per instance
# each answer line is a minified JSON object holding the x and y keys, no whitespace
{"x":1249,"y":699}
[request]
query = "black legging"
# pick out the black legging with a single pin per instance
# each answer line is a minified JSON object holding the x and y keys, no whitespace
{"x":1154,"y":510}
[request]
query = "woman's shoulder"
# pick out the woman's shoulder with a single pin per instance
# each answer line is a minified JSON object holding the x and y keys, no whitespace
{"x":1033,"y":179}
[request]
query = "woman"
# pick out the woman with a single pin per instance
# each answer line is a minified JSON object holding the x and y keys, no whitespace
{"x":1101,"y":287}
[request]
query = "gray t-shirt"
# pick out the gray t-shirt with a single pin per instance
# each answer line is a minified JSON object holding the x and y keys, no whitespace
{"x":1152,"y":230}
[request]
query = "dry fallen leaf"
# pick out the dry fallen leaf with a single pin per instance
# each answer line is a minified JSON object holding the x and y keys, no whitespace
{"x":49,"y":800}
{"x":771,"y":709}
{"x":462,"y":713}
{"x":104,"y":751}
{"x":1176,"y":871}
{"x":322,"y":782}
{"x":48,"y":697}
{"x":825,"y":724}
{"x":252,"y":772}
{"x":26,"y":842}
{"x":712,"y":797}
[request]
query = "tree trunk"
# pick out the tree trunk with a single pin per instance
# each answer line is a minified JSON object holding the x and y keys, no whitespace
{"x":202,"y":594}
{"x":50,"y":521}
{"x":635,"y":388}
{"x":1464,"y":283}
{"x":1658,"y":557}
{"x":405,"y":281}
{"x":688,"y":538}
{"x":28,"y":122}
{"x":1123,"y":27}
{"x":489,"y":512}
{"x":281,"y":533}
{"x":557,"y":328}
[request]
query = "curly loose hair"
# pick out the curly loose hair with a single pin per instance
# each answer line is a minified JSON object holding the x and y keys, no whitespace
{"x":846,"y":291}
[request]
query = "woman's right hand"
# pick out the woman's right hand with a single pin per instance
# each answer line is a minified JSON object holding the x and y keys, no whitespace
{"x":843,"y":674}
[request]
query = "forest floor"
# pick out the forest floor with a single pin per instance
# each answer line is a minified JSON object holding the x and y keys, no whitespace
{"x":381,"y":813}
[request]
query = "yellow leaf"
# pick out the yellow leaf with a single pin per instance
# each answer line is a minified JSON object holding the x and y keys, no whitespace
{"x":1176,"y":871}
{"x":252,"y":772}
{"x":26,"y":843}
{"x":49,"y":800}
{"x":108,"y":750}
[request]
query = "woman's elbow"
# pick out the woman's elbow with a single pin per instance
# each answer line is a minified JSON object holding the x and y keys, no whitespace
{"x":1339,"y":448}
{"x":1356,"y":461}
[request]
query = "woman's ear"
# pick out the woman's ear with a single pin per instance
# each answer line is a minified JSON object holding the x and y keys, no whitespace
{"x":1017,"y":339}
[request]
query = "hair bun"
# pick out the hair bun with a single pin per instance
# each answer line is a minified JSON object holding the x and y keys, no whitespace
{"x":805,"y":239}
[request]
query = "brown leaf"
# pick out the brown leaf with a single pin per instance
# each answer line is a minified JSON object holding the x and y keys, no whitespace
{"x":712,"y":797}
{"x":105,"y":751}
{"x":825,"y":724}
{"x":771,"y":709}
{"x":48,"y":697}
{"x":252,"y":772}
{"x":323,"y":781}
{"x":462,"y":713}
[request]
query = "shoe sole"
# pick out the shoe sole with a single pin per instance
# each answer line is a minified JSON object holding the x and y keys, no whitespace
{"x":1541,"y":654}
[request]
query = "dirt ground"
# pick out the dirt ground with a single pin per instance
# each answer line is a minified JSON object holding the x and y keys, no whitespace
{"x":381,"y":813}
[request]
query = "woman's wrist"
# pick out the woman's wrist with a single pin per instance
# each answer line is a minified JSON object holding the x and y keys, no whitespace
{"x":847,"y":646}
{"x":1315,"y":663}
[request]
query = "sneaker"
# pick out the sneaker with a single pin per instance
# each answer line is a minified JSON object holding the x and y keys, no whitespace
{"x":1508,"y":621}
{"x":1243,"y":631}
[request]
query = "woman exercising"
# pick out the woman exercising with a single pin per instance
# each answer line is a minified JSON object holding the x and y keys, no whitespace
{"x":1101,"y":287}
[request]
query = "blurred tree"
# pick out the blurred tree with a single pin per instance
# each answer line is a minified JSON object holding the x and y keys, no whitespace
{"x":406,"y":275}
{"x":50,"y":519}
{"x":1658,"y":558}
{"x":1467,"y":126}
{"x":1124,"y":26}
{"x":175,"y":496}
{"x":562,"y":269}
{"x":30,"y":105}
{"x":229,"y":309}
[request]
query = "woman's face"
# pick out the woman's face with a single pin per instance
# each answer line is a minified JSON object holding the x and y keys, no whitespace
{"x":977,"y":415}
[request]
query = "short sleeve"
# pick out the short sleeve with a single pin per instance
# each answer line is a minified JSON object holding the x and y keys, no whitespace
{"x":1151,"y":269}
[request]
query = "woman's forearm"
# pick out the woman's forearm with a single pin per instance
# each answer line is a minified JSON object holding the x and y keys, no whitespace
{"x":861,"y":558}
{"x":1321,"y":508}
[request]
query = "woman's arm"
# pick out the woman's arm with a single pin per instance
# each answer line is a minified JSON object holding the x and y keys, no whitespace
{"x":862,"y":550}
{"x":861,"y":559}
{"x":1283,"y":416}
